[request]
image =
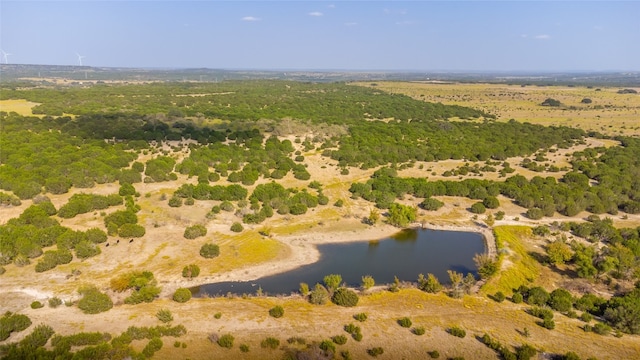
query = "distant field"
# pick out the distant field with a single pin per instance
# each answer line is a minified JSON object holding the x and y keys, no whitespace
{"x":609,"y":112}
{"x":22,"y":107}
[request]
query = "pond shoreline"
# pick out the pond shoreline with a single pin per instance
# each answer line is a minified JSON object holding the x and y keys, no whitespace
{"x":304,"y":251}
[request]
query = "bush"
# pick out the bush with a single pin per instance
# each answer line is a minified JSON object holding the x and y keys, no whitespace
{"x":362,"y":317}
{"x":319,"y":295}
{"x":154,"y":345}
{"x":226,"y":341}
{"x":357,"y":336}
{"x":541,"y":313}
{"x":276,"y":311}
{"x":339,"y":339}
{"x":375,"y":351}
{"x":516,"y":298}
{"x":491,"y":202}
{"x":420,"y":330}
{"x":458,"y":332}
{"x":54,"y":302}
{"x":195,"y":231}
{"x":434,"y":354}
{"x":93,"y":301}
{"x":37,"y":305}
{"x":209,"y":251}
{"x":404,"y":322}
{"x":601,"y":329}
{"x":478,"y":208}
{"x":586,"y":317}
{"x":499,"y":296}
{"x":270,"y":343}
{"x":431,"y":204}
{"x":548,"y":323}
{"x":191,"y":271}
{"x":164,"y":315}
{"x":368,"y":282}
{"x":534,"y":213}
{"x":345,"y":297}
{"x":182,"y":295}
{"x":131,"y":230}
{"x":328,"y":346}
{"x":237,"y":227}
{"x":217,"y":315}
{"x":244,"y":348}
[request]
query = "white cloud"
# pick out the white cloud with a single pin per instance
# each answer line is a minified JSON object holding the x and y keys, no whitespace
{"x":331,"y":6}
{"x":351,"y":24}
{"x":524,"y":36}
{"x":250,"y":18}
{"x":542,"y":37}
{"x":316,"y":13}
{"x":405,"y":23}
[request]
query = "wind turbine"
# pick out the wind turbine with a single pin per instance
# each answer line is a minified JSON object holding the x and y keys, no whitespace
{"x":80,"y":57}
{"x":5,"y":56}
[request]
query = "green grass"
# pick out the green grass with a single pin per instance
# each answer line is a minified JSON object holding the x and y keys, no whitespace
{"x":520,"y":267}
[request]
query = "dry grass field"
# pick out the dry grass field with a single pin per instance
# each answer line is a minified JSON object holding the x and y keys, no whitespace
{"x":609,"y":112}
{"x":290,"y":242}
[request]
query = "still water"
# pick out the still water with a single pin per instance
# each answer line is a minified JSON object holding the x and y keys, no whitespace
{"x":405,"y":255}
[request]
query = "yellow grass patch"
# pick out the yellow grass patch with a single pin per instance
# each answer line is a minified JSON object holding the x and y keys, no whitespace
{"x":518,"y":267}
{"x":609,"y":113}
{"x":21,"y":106}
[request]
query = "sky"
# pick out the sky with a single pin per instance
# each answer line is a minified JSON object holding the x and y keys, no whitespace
{"x":325,"y":35}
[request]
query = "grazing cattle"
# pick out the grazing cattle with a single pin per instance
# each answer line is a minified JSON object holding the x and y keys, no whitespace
{"x":130,"y":241}
{"x":107,"y":245}
{"x":118,"y":241}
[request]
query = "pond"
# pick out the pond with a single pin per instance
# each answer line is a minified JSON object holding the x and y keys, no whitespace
{"x":405,"y":255}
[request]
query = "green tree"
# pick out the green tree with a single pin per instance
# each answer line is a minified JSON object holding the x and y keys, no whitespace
{"x":430,"y":284}
{"x":191,"y":271}
{"x":93,"y":301}
{"x":368,"y":282}
{"x":332,"y":281}
{"x":559,"y":252}
{"x":401,"y":215}
{"x":182,"y":295}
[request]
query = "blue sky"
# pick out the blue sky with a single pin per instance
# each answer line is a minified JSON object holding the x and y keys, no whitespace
{"x":345,"y":35}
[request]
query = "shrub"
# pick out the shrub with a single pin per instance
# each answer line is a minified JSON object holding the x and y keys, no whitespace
{"x":362,"y":317}
{"x":537,"y":296}
{"x":54,"y":302}
{"x":131,"y":230}
{"x":297,"y":340}
{"x":430,"y":284}
{"x":431,"y":204}
{"x":345,"y":297}
{"x":332,"y":281}
{"x":339,"y":203}
{"x":328,"y":346}
{"x":209,"y":251}
{"x":548,"y":323}
{"x":457,"y":331}
{"x":164,"y":315}
{"x":375,"y":351}
{"x":182,"y":295}
{"x":368,"y":282}
{"x":525,"y":352}
{"x":478,"y":208}
{"x":601,"y":329}
{"x":217,"y":315}
{"x":357,"y":336}
{"x":499,"y":296}
{"x":541,"y":313}
{"x":93,"y":301}
{"x":434,"y":354}
{"x":195,"y":231}
{"x":586,"y":317}
{"x":154,"y":345}
{"x":534,"y":213}
{"x":319,"y":295}
{"x":226,"y":341}
{"x":36,"y":305}
{"x":191,"y":271}
{"x":351,"y":329}
{"x":516,"y":298}
{"x":276,"y":311}
{"x":420,"y":330}
{"x":237,"y":227}
{"x":270,"y":343}
{"x":339,"y":339}
{"x":404,"y":322}
{"x":244,"y":348}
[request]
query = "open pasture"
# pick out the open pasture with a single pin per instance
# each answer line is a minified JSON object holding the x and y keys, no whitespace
{"x":609,"y":113}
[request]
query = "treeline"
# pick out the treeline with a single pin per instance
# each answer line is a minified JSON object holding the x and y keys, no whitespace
{"x":240,"y":100}
{"x":372,"y":144}
{"x":603,"y":180}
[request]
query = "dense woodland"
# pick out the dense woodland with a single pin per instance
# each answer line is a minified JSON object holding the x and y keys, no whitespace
{"x":235,"y":126}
